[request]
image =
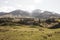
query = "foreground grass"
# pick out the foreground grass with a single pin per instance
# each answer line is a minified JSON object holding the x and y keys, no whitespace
{"x":28,"y":33}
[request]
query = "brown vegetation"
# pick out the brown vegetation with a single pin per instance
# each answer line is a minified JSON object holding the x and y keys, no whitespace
{"x":49,"y":23}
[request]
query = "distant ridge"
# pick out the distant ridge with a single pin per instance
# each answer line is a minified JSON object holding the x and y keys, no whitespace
{"x":35,"y":13}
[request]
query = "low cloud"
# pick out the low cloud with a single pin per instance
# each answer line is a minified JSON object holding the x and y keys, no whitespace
{"x":6,"y":8}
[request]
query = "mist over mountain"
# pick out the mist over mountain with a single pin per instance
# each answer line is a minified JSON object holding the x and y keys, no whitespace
{"x":35,"y":13}
{"x":20,"y":12}
{"x":44,"y":14}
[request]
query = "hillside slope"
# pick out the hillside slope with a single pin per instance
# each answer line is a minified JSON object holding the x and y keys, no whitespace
{"x":24,"y":32}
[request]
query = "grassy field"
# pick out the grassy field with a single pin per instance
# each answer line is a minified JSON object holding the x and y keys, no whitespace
{"x":24,"y":32}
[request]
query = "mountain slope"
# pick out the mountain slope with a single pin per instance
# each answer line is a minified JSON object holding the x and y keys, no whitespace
{"x":45,"y":14}
{"x":16,"y":13}
{"x":35,"y":13}
{"x":20,"y":12}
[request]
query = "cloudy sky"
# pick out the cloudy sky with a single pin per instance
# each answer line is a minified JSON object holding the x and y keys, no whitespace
{"x":29,"y":5}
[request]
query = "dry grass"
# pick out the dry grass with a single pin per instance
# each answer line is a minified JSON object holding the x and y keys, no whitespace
{"x":27,"y":33}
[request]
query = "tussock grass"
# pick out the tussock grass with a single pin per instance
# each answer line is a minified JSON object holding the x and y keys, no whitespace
{"x":28,"y":33}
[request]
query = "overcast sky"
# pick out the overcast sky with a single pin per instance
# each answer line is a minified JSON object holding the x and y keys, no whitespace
{"x":29,"y":5}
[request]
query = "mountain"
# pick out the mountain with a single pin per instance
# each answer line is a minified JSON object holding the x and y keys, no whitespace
{"x":35,"y":13}
{"x":16,"y":13}
{"x":44,"y":14}
{"x":2,"y":13}
{"x":20,"y":13}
